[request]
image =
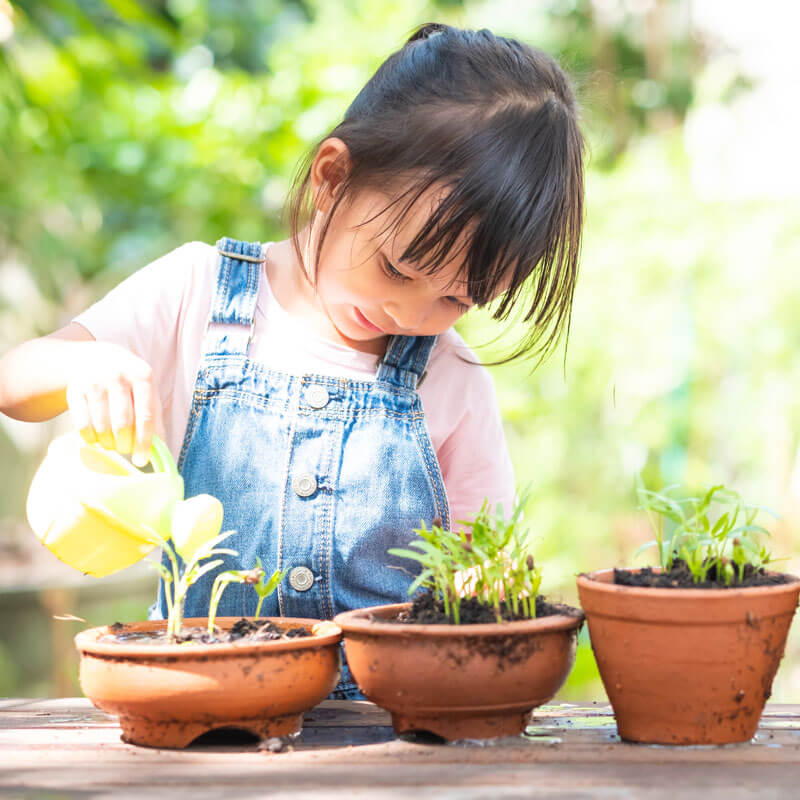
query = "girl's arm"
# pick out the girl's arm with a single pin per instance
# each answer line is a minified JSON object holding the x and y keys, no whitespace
{"x":108,"y":390}
{"x":33,"y":376}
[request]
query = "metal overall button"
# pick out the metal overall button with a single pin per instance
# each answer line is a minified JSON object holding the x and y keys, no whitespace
{"x":318,"y":397}
{"x":301,"y":579}
{"x":304,"y":484}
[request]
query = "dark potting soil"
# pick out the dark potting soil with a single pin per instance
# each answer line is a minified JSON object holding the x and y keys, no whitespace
{"x":680,"y":577}
{"x":426,"y":610}
{"x":241,"y":629}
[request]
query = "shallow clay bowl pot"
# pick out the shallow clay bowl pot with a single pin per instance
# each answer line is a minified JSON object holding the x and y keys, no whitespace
{"x":458,"y":681}
{"x":166,"y":695}
{"x":687,"y":666}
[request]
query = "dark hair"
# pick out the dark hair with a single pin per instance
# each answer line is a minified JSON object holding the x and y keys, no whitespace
{"x":495,"y":122}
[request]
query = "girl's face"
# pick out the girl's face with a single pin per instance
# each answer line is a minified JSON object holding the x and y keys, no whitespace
{"x":365,"y":288}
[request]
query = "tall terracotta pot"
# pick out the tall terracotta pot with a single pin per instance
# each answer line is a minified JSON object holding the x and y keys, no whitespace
{"x":687,"y":666}
{"x":458,"y":681}
{"x":167,"y":695}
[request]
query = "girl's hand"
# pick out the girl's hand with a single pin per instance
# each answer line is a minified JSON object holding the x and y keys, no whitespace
{"x":112,"y":399}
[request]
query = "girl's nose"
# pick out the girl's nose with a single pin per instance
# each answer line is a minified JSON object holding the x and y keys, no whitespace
{"x":408,"y":316}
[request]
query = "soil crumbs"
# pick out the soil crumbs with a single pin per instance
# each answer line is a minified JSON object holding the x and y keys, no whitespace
{"x":242,"y":629}
{"x":427,"y":610}
{"x":680,"y":577}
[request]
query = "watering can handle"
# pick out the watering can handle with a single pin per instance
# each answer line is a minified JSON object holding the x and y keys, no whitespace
{"x":161,"y":458}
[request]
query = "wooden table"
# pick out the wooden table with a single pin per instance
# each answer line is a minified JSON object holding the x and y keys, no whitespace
{"x":65,"y":748}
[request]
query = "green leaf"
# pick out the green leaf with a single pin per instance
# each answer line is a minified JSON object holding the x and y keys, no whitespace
{"x":264,"y":590}
{"x":166,"y":574}
{"x":206,"y":549}
{"x":198,"y":572}
{"x":645,"y":546}
{"x":720,"y":523}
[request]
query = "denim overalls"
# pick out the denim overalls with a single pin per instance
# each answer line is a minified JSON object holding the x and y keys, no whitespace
{"x":318,"y":475}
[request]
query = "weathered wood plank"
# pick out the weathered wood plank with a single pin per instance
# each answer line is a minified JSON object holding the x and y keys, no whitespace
{"x":67,"y":746}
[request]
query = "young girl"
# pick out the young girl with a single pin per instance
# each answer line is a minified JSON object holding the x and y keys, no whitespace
{"x":315,"y":385}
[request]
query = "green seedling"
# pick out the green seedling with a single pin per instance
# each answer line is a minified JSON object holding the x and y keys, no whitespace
{"x":490,"y":555}
{"x":177,"y":581}
{"x":256,"y":577}
{"x":265,"y":587}
{"x":716,"y":530}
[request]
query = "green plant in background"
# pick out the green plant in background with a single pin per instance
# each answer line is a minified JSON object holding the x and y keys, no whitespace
{"x":715,"y":531}
{"x":489,"y":557}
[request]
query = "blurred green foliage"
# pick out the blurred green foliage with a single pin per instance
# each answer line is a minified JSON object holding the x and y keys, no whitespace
{"x":128,"y":128}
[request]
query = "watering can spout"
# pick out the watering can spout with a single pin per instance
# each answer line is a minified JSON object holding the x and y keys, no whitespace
{"x":96,"y":511}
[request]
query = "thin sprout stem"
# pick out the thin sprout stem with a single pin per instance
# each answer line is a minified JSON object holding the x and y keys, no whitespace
{"x":173,"y":615}
{"x":216,"y":596}
{"x":168,"y":598}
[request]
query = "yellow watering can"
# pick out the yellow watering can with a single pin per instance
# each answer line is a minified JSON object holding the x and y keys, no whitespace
{"x":94,"y":510}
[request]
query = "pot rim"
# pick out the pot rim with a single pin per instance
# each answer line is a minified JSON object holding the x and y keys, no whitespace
{"x":592,"y":581}
{"x":87,"y":640}
{"x":358,"y":621}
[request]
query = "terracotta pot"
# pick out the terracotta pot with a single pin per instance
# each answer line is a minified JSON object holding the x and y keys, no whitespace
{"x":458,"y":681}
{"x":687,"y":666}
{"x":167,"y":695}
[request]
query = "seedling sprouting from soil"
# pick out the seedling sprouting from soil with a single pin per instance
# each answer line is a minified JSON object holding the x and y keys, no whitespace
{"x":715,"y":531}
{"x":266,"y":586}
{"x":490,"y":554}
{"x":222,"y":581}
{"x":196,"y":537}
{"x":256,"y":577}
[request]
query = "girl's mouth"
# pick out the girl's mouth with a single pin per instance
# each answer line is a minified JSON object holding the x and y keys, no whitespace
{"x":365,"y":323}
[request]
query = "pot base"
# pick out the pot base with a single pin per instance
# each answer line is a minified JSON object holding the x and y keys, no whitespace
{"x":179,"y":734}
{"x":464,"y":726}
{"x":687,"y":737}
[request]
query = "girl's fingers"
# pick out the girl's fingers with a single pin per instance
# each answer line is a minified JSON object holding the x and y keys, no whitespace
{"x":120,"y":408}
{"x":100,"y":416}
{"x":79,"y":414}
{"x":144,"y":410}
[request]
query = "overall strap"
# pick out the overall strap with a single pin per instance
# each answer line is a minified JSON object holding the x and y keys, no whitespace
{"x":405,"y":360}
{"x":239,"y":266}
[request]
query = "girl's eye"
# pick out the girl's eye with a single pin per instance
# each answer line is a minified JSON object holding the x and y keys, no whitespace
{"x":394,"y":273}
{"x":462,"y":307}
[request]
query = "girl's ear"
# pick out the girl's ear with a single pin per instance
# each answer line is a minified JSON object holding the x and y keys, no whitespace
{"x":331,"y":164}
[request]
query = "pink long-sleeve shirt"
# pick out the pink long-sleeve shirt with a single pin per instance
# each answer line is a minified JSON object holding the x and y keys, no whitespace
{"x":160,"y":314}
